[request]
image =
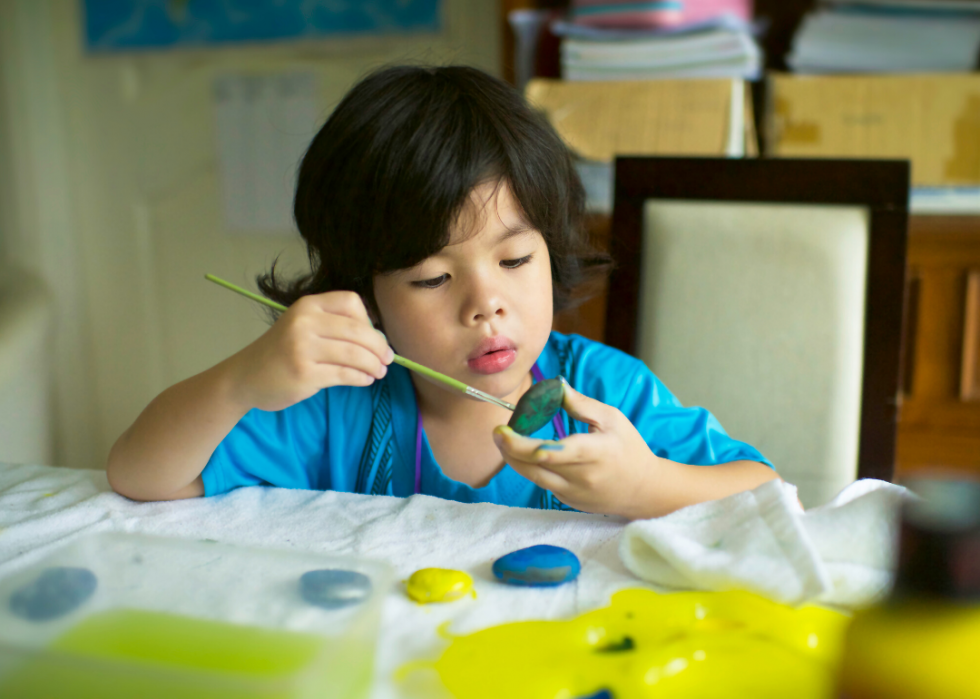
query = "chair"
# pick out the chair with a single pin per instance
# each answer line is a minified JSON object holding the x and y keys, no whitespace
{"x":770,"y":291}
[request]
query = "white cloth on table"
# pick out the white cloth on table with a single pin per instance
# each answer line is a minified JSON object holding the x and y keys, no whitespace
{"x":762,"y":540}
{"x":44,"y":507}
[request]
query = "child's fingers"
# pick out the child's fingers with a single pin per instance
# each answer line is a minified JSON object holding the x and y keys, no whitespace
{"x":540,"y":476}
{"x":584,"y":409}
{"x":515,"y":446}
{"x":350,"y":355}
{"x":341,"y":303}
{"x":326,"y":375}
{"x":576,"y":449}
{"x":336,"y":327}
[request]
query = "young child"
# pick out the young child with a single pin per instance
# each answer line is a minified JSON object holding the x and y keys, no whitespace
{"x":443,"y":218}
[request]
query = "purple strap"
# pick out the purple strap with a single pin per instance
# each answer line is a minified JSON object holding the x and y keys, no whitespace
{"x":418,"y":450}
{"x":556,"y":421}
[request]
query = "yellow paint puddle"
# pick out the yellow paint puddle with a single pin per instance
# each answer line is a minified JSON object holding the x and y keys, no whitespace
{"x":680,"y":645}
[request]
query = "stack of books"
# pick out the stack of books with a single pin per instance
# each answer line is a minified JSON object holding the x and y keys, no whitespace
{"x":878,"y":38}
{"x":888,"y":36}
{"x":724,"y":47}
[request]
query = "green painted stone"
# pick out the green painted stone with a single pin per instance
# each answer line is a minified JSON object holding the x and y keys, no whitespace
{"x":536,"y":407}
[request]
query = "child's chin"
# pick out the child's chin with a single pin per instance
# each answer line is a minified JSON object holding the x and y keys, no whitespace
{"x":502,"y":383}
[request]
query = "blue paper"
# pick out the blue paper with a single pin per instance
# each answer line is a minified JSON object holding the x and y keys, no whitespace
{"x":121,"y":25}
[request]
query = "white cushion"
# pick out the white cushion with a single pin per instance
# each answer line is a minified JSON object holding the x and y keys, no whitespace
{"x":756,"y":312}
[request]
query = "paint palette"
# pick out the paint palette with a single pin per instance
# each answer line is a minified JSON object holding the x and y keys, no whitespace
{"x":127,"y":615}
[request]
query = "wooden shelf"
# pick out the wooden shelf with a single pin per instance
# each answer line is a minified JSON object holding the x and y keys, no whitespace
{"x":939,"y":420}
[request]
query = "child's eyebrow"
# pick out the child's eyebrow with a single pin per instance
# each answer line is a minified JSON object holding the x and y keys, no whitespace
{"x":509,"y":233}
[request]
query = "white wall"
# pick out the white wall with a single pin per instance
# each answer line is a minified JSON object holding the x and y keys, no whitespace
{"x":112,"y":198}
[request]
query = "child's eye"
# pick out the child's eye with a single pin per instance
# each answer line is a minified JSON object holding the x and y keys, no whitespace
{"x":431,"y":283}
{"x":514,"y":264}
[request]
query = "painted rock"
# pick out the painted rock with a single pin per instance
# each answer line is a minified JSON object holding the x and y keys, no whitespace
{"x":537,"y":566}
{"x":438,"y":585}
{"x":333,"y":589}
{"x":55,"y":592}
{"x":537,"y":407}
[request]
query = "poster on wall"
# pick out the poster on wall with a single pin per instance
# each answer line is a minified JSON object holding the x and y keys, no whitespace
{"x":131,"y":25}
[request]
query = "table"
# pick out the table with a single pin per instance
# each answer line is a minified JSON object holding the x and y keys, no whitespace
{"x":44,"y":507}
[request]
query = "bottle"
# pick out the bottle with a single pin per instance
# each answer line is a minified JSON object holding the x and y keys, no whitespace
{"x":923,"y":641}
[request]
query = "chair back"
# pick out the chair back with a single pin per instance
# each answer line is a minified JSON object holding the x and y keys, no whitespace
{"x":775,"y":305}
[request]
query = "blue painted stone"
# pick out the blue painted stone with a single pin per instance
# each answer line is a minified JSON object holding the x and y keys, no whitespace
{"x":333,"y":588}
{"x":601,"y":694}
{"x":537,"y":566}
{"x":54,"y":593}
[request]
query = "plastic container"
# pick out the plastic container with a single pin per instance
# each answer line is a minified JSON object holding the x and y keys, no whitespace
{"x":159,"y":617}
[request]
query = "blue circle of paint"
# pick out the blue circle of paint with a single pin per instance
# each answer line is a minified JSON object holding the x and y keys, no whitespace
{"x":54,"y":593}
{"x":537,"y":566}
{"x":334,"y":588}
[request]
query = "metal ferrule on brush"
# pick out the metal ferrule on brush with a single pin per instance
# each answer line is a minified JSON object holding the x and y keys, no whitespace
{"x":480,"y":395}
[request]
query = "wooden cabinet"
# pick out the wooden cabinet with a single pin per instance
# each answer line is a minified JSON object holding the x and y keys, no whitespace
{"x":939,"y":419}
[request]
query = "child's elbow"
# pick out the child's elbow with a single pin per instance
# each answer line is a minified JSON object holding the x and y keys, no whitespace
{"x":140,"y":492}
{"x":132,"y":482}
{"x":122,"y":483}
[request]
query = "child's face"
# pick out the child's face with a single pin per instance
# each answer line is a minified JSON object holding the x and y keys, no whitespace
{"x":479,"y":310}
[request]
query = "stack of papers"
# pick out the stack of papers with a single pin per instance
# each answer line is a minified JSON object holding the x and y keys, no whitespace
{"x":636,"y":14}
{"x":888,"y":36}
{"x":724,"y":48}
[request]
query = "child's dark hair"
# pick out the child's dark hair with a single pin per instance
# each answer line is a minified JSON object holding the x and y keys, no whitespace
{"x":386,"y":177}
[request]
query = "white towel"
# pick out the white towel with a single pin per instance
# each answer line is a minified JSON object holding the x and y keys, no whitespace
{"x":762,"y":540}
{"x":43,"y":507}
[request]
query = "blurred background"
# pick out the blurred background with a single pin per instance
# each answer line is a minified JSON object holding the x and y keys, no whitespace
{"x":148,"y":142}
{"x":117,"y":193}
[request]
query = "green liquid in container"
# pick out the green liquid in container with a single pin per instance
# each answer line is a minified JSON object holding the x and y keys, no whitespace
{"x":126,"y":653}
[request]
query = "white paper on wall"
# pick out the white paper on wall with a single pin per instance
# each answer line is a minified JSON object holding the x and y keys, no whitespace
{"x":264,"y":123}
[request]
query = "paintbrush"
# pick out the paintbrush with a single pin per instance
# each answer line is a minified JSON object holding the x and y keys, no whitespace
{"x":407,"y":363}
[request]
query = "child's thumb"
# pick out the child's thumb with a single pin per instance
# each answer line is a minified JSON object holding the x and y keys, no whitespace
{"x":581,"y":407}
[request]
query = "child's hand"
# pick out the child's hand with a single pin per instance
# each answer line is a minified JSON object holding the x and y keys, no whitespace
{"x":322,"y":340}
{"x":610,"y":470}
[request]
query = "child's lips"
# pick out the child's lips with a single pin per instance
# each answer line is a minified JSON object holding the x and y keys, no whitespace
{"x":492,"y":355}
{"x":492,"y":362}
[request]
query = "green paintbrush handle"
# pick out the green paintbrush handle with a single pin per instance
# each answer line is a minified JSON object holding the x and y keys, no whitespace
{"x":407,"y":363}
{"x":244,"y":292}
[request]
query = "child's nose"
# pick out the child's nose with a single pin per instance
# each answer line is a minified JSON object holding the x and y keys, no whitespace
{"x":484,"y":301}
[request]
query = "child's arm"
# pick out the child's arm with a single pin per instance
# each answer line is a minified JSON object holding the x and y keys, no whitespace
{"x":611,"y":470}
{"x":323,"y":340}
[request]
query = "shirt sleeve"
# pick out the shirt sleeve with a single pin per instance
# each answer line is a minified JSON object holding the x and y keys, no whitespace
{"x":286,"y":448}
{"x":689,"y":435}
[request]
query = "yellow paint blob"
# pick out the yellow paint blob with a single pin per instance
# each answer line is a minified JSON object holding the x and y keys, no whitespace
{"x":681,"y":645}
{"x":438,"y":585}
{"x":913,"y":648}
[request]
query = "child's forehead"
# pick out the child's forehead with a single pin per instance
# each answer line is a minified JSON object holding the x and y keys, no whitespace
{"x":491,"y":209}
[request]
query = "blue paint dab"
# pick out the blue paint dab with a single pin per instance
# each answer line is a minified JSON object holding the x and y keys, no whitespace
{"x":54,"y":593}
{"x":537,"y":566}
{"x":332,"y":588}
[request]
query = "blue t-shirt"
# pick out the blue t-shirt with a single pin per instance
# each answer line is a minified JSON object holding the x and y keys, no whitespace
{"x":363,"y":439}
